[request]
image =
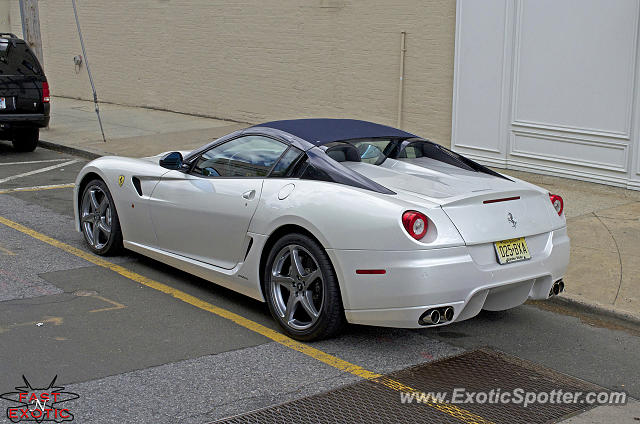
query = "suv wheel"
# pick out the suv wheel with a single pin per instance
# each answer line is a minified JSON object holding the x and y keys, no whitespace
{"x":25,"y":139}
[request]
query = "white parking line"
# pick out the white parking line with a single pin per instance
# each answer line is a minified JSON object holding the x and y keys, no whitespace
{"x":33,"y":161}
{"x":38,"y":171}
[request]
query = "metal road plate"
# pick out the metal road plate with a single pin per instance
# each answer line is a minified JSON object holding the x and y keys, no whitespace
{"x":479,"y":371}
{"x":512,"y":250}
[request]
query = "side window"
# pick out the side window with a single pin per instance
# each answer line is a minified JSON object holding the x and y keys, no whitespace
{"x":250,"y":156}
{"x":288,"y":160}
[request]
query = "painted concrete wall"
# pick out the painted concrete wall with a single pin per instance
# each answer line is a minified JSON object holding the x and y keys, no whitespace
{"x":259,"y":60}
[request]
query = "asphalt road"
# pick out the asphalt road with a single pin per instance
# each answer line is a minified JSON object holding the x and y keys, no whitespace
{"x":137,"y":354}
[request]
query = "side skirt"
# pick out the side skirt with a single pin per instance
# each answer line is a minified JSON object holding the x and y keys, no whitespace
{"x":228,"y":278}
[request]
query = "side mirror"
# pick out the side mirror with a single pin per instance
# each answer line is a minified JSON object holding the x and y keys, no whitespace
{"x":172,"y":160}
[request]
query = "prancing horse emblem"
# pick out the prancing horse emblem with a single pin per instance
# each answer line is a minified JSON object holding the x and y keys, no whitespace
{"x":512,"y":220}
{"x":121,"y":180}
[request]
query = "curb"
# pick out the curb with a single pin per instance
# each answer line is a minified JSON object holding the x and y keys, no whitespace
{"x":581,"y":304}
{"x":87,"y":154}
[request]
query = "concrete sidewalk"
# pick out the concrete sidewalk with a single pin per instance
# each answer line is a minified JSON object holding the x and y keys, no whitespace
{"x":130,"y":131}
{"x":604,"y":227}
{"x":603,"y":221}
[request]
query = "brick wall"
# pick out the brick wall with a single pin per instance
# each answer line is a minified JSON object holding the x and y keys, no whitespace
{"x":260,"y":60}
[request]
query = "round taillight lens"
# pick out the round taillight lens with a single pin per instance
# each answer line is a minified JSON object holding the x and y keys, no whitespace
{"x":415,"y":223}
{"x":557,"y":202}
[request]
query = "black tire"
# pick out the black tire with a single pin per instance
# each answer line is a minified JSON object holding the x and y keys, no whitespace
{"x":105,"y":244}
{"x":25,"y":139}
{"x":330,"y":319}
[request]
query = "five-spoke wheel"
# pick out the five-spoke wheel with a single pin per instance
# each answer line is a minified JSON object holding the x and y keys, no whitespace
{"x":297,"y":286}
{"x":301,"y":288}
{"x":98,"y":219}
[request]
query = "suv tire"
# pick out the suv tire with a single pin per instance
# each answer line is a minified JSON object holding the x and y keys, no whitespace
{"x":25,"y":139}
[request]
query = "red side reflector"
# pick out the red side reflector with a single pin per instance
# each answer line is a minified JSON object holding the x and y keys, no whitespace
{"x":371,"y":271}
{"x":506,"y":199}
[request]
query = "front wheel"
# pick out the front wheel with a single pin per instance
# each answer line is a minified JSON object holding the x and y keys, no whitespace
{"x":99,"y":219}
{"x":302,"y":289}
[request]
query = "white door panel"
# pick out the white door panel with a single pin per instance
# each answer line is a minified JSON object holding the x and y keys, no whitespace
{"x":204,"y":218}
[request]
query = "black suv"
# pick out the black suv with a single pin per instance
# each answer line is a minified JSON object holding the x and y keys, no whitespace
{"x":24,"y":94}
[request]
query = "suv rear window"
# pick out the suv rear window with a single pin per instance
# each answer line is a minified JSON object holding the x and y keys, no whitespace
{"x":16,"y":58}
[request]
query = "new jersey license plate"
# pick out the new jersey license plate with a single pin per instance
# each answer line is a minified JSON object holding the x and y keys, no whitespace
{"x":3,"y":103}
{"x":512,"y":250}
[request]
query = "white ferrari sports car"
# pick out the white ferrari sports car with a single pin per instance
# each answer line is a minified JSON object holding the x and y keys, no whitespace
{"x":333,"y":220}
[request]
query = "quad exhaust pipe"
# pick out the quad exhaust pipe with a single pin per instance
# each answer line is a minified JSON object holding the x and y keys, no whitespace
{"x":436,"y":316}
{"x":557,"y":288}
{"x":448,"y":313}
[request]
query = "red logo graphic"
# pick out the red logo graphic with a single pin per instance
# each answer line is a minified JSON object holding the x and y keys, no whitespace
{"x":39,"y":404}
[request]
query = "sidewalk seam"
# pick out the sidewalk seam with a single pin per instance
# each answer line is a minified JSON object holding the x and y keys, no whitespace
{"x":619,"y":255}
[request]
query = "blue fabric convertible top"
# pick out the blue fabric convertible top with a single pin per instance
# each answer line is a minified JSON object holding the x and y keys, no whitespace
{"x":322,"y":131}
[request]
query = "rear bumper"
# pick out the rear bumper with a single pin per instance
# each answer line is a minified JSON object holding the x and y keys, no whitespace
{"x":465,"y":277}
{"x":15,"y":120}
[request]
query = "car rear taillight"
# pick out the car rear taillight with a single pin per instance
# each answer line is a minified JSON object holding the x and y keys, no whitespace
{"x":557,"y":202}
{"x":46,"y":95}
{"x":415,"y":223}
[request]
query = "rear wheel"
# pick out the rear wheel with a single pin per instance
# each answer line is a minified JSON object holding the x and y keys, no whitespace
{"x":25,"y":139}
{"x":302,"y":289}
{"x":99,"y":219}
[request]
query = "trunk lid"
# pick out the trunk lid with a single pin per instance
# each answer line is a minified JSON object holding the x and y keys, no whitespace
{"x":467,"y":197}
{"x":478,"y":222}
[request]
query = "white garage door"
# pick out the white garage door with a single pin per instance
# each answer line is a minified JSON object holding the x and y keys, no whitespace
{"x":549,"y":86}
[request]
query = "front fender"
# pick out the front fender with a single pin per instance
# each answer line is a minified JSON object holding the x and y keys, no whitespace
{"x":132,"y":208}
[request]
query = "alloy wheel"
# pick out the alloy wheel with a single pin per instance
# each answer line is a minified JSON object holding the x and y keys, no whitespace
{"x":96,"y":217}
{"x":297,"y":287}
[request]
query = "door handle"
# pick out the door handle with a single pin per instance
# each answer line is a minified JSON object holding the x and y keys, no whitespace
{"x":249,"y":194}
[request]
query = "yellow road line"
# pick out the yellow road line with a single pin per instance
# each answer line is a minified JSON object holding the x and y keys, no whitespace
{"x":115,"y":304}
{"x":53,"y":320}
{"x":333,"y":361}
{"x":36,"y":188}
{"x":7,"y":251}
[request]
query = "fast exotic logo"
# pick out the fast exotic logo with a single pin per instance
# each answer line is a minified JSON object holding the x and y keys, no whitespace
{"x":39,"y":404}
{"x":121,"y":180}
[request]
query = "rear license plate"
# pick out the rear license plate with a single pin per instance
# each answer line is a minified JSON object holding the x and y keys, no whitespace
{"x":512,"y":250}
{"x":3,"y":103}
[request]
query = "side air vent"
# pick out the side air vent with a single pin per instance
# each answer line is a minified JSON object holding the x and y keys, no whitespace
{"x":248,"y":248}
{"x":137,"y":185}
